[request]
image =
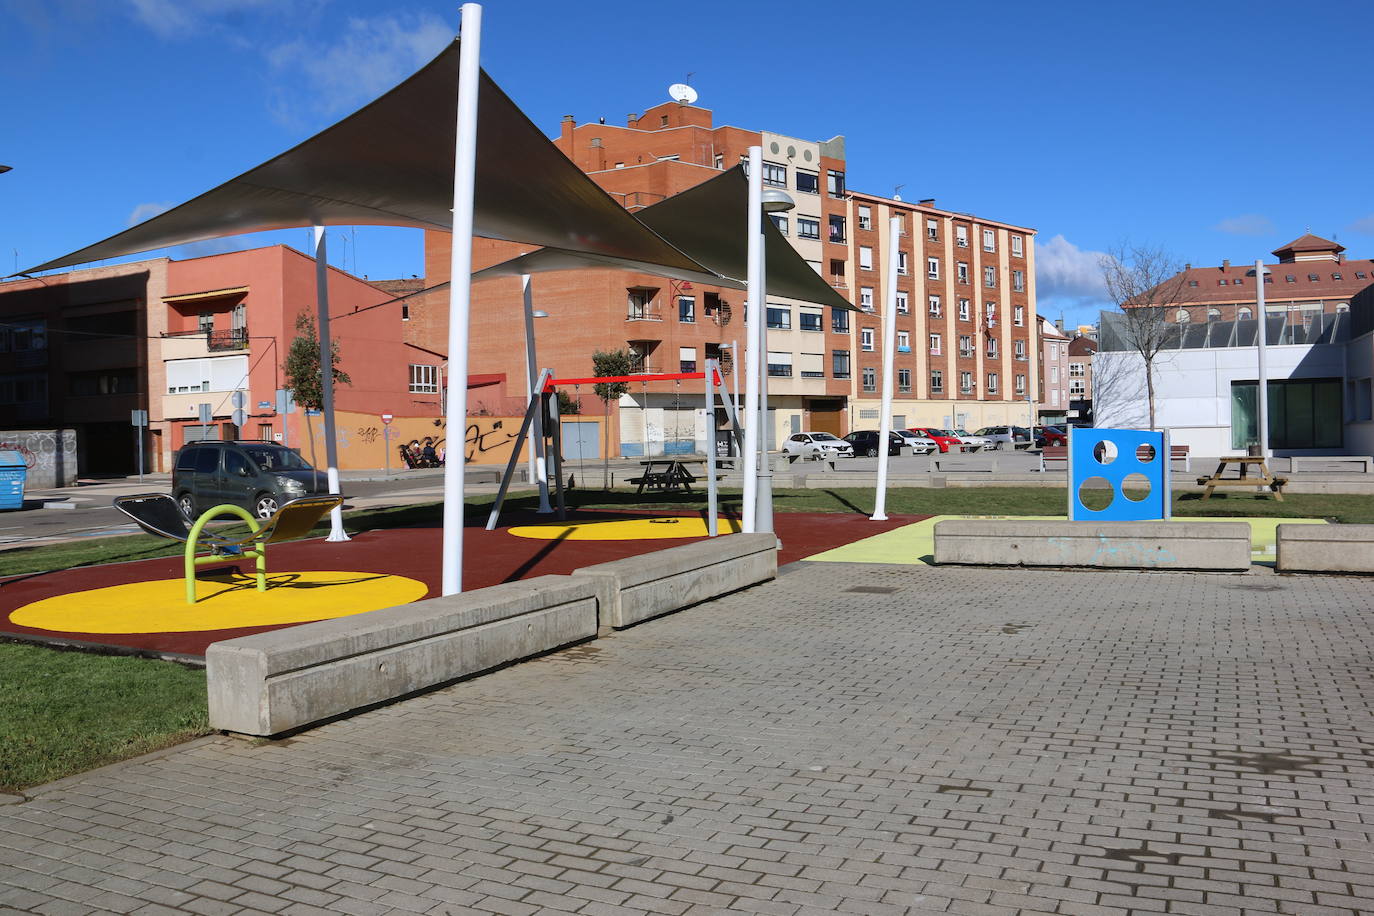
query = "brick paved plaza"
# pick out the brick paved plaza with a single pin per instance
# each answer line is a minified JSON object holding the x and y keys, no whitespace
{"x":862,"y":739}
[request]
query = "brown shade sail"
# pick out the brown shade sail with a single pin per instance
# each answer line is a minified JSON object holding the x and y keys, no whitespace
{"x":707,"y":222}
{"x":391,"y":164}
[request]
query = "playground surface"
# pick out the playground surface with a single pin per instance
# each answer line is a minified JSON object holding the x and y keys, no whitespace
{"x":141,"y":605}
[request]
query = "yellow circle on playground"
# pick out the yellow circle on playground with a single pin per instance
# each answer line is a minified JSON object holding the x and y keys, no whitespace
{"x":631,"y":529}
{"x":222,"y":602}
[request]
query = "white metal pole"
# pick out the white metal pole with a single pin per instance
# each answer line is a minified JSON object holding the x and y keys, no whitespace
{"x":460,"y":296}
{"x":764,"y":520}
{"x":712,"y":511}
{"x":889,"y":356}
{"x":734,"y":367}
{"x":1261,"y":333}
{"x":536,"y":463}
{"x":331,"y":439}
{"x":754,"y":319}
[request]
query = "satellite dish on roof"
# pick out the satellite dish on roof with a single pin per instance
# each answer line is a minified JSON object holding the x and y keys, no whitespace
{"x":681,"y":92}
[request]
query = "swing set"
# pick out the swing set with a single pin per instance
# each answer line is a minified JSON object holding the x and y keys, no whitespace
{"x":541,"y":416}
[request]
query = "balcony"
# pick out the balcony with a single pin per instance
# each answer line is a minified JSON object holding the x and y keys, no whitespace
{"x":640,"y":368}
{"x":649,"y":311}
{"x":231,"y":339}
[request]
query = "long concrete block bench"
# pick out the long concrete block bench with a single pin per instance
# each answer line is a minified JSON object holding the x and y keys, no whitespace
{"x":1325,"y":548}
{"x":1115,"y":545}
{"x":638,"y":588}
{"x":274,"y":682}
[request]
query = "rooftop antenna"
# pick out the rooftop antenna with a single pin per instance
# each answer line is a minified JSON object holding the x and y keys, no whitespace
{"x":895,"y":195}
{"x":682,"y":93}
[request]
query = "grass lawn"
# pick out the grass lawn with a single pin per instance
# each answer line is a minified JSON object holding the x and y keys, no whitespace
{"x":65,"y":712}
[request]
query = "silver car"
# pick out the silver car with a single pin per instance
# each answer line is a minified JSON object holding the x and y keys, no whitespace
{"x":972,"y":443}
{"x":919,"y":444}
{"x":817,"y":446}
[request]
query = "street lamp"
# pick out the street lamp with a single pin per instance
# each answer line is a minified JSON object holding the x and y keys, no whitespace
{"x":1259,"y":272}
{"x":772,"y":200}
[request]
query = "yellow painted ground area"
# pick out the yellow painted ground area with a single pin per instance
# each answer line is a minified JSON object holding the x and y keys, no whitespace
{"x":914,"y":544}
{"x":632,"y":529}
{"x":222,"y":602}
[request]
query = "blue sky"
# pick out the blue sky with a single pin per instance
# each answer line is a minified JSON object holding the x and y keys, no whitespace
{"x":1216,"y":129}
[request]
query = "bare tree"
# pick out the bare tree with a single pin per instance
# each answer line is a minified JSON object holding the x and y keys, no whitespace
{"x":1147,"y":284}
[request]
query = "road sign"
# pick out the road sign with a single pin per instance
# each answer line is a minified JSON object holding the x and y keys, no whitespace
{"x":239,"y":416}
{"x":207,"y":413}
{"x":387,"y":418}
{"x":238,"y":399}
{"x":311,"y":412}
{"x":286,"y":403}
{"x":139,"y":418}
{"x":264,"y":405}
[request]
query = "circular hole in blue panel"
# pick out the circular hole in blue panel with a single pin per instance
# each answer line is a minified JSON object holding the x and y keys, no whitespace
{"x":1096,"y":494}
{"x":1136,"y":487}
{"x":1104,"y":452}
{"x":1145,"y":453}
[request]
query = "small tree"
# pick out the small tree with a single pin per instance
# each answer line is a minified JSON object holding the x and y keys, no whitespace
{"x":607,"y":363}
{"x":567,"y":404}
{"x":1146,"y":283}
{"x":302,"y":368}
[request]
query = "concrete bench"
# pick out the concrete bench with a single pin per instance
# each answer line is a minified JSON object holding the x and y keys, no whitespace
{"x":963,"y":463}
{"x":1360,"y":464}
{"x":282,"y":680}
{"x":1115,"y":545}
{"x":638,"y":588}
{"x":1325,"y":548}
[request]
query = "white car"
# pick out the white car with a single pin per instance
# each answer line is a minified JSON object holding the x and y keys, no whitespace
{"x":972,"y":443}
{"x":817,"y":446}
{"x":919,"y":444}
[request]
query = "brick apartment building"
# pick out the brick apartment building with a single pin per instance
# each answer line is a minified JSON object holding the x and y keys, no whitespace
{"x":1081,"y":350}
{"x":965,"y":302}
{"x":1054,"y":374}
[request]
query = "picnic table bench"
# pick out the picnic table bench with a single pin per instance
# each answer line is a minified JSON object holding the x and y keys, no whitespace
{"x":1243,"y":463}
{"x":666,"y":474}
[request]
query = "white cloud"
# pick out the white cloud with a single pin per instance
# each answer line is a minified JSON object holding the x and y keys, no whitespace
{"x":1063,"y":271}
{"x":148,"y":211}
{"x":1246,"y":224}
{"x":181,"y":18}
{"x":1363,"y":226}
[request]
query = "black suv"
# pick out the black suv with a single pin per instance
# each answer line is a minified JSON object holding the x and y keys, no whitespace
{"x":259,"y":476}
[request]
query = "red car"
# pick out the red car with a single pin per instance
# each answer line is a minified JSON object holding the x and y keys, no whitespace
{"x":1049,"y":435}
{"x":942,"y":437}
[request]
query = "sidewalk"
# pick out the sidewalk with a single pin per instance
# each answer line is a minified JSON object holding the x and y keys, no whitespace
{"x":868,"y":740}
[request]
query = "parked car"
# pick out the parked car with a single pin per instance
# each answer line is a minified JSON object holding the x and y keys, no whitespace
{"x":971,"y":442}
{"x":943,"y":438}
{"x":921,"y":445}
{"x":865,"y":442}
{"x":1017,"y":436}
{"x":1049,"y":435}
{"x":259,"y":476}
{"x":817,"y":446}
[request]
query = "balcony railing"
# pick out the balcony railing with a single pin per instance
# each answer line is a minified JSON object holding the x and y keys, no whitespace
{"x":232,"y":339}
{"x":647,"y":312}
{"x":644,"y":369}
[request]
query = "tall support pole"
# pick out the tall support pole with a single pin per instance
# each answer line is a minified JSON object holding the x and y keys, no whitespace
{"x":764,"y":520}
{"x":712,"y":508}
{"x":460,"y":296}
{"x":1261,"y":335}
{"x":754,"y":319}
{"x":537,"y":470}
{"x":889,"y":356}
{"x":331,"y":439}
{"x":734,"y":366}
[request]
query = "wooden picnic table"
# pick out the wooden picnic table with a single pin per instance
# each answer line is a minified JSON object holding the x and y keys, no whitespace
{"x":667,"y":474}
{"x":1243,"y":463}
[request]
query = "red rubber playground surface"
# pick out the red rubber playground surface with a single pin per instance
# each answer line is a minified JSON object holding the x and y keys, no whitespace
{"x":490,"y":558}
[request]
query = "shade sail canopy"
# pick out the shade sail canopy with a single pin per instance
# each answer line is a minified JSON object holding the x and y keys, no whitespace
{"x":707,"y":223}
{"x":391,"y":164}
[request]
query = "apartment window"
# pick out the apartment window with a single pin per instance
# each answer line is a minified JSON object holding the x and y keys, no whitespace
{"x":934,"y":306}
{"x":961,"y":272}
{"x":865,"y":218}
{"x":1018,"y":280}
{"x":1192,"y":283}
{"x":991,"y":309}
{"x":405,"y":311}
{"x":1182,"y":317}
{"x":901,"y":263}
{"x":779,"y":220}
{"x":961,"y":236}
{"x":837,"y":272}
{"x":904,"y":381}
{"x":933,"y":268}
{"x":989,"y":240}
{"x":934,"y":344}
{"x":839,"y":363}
{"x":992,"y":346}
{"x":808,"y":227}
{"x":937,"y":381}
{"x":1335,"y":276}
{"x":903,"y":342}
{"x":424,"y":379}
{"x":1054,"y":398}
{"x":870,"y":378}
{"x":1021,"y":387}
{"x":865,"y":257}
{"x":990,"y":277}
{"x":687,"y":359}
{"x":839,"y":320}
{"x":205,"y":322}
{"x":1054,"y":375}
{"x":1077,"y":387}
{"x":774,"y":175}
{"x":720,"y":160}
{"x":1312,"y":278}
{"x":1018,"y":316}
{"x":1019,"y":348}
{"x":965,"y":382}
{"x":812,"y":365}
{"x":903,"y":305}
{"x":866,"y":298}
{"x":834,"y":183}
{"x":933,"y":230}
{"x":808,"y":182}
{"x":963,"y":310}
{"x":837,"y":233}
{"x":810,"y":320}
{"x":1017,"y":246}
{"x":1244,"y":314}
{"x":1076,"y":370}
{"x":639,"y":304}
{"x":1290,"y":278}
{"x":866,"y":339}
{"x":779,"y":364}
{"x":779,"y":319}
{"x":965,"y":345}
{"x":686,"y":309}
{"x":992,"y":383}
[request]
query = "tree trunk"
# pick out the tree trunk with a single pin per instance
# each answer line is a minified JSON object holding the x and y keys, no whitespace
{"x":310,"y":434}
{"x":605,"y":445}
{"x":1150,"y":390}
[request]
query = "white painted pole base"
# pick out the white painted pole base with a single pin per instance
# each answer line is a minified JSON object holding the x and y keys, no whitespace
{"x":336,"y":528}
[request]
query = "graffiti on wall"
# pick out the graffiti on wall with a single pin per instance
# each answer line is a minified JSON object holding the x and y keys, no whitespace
{"x":49,"y":454}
